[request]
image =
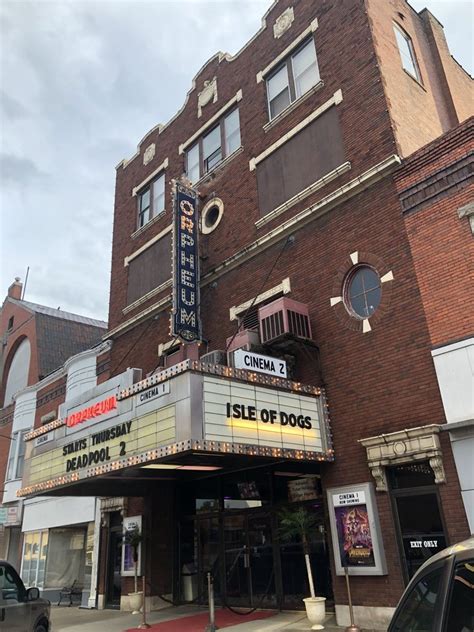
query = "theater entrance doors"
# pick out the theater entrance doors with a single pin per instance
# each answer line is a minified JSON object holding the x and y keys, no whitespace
{"x":249,"y":560}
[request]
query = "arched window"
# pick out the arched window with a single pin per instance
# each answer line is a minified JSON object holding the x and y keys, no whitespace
{"x":18,"y":373}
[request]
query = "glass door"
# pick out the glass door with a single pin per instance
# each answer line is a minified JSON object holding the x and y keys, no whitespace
{"x":114,"y":561}
{"x":261,"y":566}
{"x":237,"y":560}
{"x":199,"y":548}
{"x":421,"y":528}
{"x":249,"y":563}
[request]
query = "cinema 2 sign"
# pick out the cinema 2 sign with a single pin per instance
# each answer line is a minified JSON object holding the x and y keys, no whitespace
{"x":185,"y":317}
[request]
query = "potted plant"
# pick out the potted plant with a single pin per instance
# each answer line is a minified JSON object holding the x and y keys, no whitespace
{"x":301,"y":524}
{"x":133,"y":538}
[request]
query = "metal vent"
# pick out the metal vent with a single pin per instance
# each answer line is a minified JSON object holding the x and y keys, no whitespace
{"x":250,"y":321}
{"x":284,"y":316}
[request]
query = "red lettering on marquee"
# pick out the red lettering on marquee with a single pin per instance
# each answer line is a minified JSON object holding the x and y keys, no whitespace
{"x":90,"y":412}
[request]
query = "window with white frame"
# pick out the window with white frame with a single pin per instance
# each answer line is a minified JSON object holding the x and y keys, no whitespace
{"x":407,"y":52}
{"x":293,"y":78}
{"x":151,"y":201}
{"x":215,"y":145}
{"x":16,"y":457}
{"x":35,"y":548}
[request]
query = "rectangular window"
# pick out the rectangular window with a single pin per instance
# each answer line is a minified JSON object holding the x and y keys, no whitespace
{"x":12,"y":457}
{"x":149,"y":269}
{"x":151,"y":201}
{"x":232,"y":132}
{"x":305,"y":69}
{"x":213,"y":147}
{"x":192,"y":163}
{"x":304,"y":159}
{"x":11,"y":466}
{"x":35,"y":549}
{"x":21,"y":455}
{"x":407,"y":52}
{"x":297,"y":74}
{"x":278,"y":89}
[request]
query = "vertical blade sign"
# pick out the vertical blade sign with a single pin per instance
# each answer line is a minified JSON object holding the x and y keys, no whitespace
{"x":186,"y":323}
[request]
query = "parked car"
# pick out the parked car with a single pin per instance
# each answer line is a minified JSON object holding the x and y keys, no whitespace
{"x":21,"y":609}
{"x":440,"y":596}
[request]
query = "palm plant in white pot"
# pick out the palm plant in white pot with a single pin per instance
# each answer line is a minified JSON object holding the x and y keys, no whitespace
{"x":134,"y":537}
{"x":300,"y":524}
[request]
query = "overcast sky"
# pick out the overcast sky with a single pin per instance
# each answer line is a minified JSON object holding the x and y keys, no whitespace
{"x":81,"y":83}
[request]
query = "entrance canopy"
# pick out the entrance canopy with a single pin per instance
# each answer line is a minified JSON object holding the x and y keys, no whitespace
{"x":193,"y":417}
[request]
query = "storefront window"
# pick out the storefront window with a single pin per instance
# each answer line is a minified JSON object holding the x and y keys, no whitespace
{"x":66,"y":558}
{"x":35,"y":551}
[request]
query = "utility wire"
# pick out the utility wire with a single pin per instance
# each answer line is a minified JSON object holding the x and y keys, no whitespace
{"x":132,"y":347}
{"x":288,"y":240}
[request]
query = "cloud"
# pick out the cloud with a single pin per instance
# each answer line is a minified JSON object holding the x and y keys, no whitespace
{"x":17,"y":171}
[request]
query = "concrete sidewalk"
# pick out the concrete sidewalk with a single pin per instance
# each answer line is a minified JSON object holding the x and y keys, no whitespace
{"x":74,"y":619}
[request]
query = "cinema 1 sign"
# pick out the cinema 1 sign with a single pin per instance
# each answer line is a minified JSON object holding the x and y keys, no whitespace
{"x":355,"y":529}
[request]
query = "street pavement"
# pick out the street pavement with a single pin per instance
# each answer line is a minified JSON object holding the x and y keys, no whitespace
{"x":73,"y":619}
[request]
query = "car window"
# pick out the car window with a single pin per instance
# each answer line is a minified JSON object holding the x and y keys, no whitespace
{"x":460,"y":617}
{"x":11,"y":590}
{"x":417,"y":612}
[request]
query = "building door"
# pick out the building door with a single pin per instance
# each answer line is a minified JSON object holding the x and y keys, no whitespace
{"x":249,"y":560}
{"x":418,"y":516}
{"x":114,"y":561}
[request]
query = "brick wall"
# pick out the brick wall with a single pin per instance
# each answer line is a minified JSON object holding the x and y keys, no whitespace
{"x":459,"y":82}
{"x":377,"y":382}
{"x":367,"y":135}
{"x":418,"y":112}
{"x":441,"y":243}
{"x":23,"y":327}
{"x":49,"y":399}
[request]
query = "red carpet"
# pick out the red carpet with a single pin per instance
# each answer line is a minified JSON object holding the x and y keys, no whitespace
{"x":198,"y":622}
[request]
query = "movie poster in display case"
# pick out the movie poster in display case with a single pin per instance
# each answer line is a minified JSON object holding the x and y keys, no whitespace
{"x":128,"y":565}
{"x":355,"y":529}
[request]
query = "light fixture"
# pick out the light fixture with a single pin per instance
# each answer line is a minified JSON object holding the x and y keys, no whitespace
{"x":160,"y":466}
{"x":200,"y":468}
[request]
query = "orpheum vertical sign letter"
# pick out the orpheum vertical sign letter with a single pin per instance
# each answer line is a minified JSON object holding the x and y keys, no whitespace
{"x":186,"y":323}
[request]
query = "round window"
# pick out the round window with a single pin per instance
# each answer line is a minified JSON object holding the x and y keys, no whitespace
{"x":211,"y":215}
{"x":362,"y":291}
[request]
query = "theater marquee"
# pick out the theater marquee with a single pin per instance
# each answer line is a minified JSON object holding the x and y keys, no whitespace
{"x":189,"y":408}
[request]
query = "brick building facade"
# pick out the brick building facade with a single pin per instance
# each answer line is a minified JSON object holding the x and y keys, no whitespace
{"x":36,"y":341}
{"x":309,"y":150}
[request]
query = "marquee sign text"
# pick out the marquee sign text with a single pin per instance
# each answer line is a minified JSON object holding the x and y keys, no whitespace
{"x":268,"y":416}
{"x":100,"y":454}
{"x":185,"y":318}
{"x":260,"y":363}
{"x":100,"y":408}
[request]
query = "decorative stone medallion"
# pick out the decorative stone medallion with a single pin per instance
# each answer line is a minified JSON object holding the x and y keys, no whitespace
{"x":207,"y":94}
{"x":149,"y":154}
{"x":283,"y":22}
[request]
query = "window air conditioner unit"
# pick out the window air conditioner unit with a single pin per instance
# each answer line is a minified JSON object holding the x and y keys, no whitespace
{"x":246,"y":339}
{"x":184,"y":352}
{"x":284,"y":316}
{"x":214,"y":357}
